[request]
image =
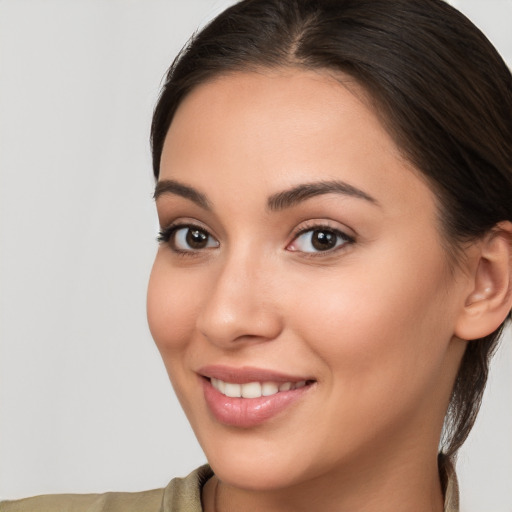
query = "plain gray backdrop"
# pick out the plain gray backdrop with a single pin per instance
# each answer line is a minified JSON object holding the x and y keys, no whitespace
{"x":85,"y":403}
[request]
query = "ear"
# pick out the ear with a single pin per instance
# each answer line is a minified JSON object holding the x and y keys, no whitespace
{"x":490,"y":299}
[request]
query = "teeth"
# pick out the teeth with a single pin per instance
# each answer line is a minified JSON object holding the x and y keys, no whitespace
{"x":254,"y":389}
{"x":219,"y":385}
{"x":269,"y":388}
{"x":232,"y":390}
{"x":285,"y":386}
{"x":251,"y":390}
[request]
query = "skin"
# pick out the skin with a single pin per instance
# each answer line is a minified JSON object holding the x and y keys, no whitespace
{"x":373,"y":320}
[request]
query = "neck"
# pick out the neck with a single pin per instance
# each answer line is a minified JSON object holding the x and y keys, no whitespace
{"x":409,"y":483}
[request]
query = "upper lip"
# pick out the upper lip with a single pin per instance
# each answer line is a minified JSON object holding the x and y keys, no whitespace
{"x":247,"y":374}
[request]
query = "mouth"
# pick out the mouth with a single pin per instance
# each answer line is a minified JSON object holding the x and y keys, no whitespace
{"x":256,"y":389}
{"x":248,"y":397}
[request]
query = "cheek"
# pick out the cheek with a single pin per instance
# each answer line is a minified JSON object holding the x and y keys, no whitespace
{"x":172,"y":303}
{"x":378,"y":327}
{"x":171,"y":308}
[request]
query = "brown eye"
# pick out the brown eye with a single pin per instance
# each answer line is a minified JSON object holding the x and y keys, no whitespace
{"x":191,"y":238}
{"x":318,"y":240}
{"x":323,"y":240}
{"x":196,"y":239}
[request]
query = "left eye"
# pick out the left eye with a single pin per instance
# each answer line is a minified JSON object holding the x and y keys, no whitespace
{"x":319,"y":240}
{"x":190,"y":238}
{"x":187,"y":238}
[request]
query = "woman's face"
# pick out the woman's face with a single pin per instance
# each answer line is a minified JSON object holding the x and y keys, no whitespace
{"x":301,"y":266}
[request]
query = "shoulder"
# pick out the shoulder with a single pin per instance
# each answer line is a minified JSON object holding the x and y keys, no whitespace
{"x":147,"y":501}
{"x":181,"y":495}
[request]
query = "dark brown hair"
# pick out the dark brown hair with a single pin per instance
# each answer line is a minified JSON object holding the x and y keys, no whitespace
{"x":439,"y":86}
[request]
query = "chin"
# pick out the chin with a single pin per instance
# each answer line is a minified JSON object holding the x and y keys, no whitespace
{"x":257,"y":473}
{"x":267,"y":459}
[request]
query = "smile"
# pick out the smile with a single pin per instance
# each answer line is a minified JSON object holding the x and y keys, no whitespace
{"x":254,"y":389}
{"x":248,"y":397}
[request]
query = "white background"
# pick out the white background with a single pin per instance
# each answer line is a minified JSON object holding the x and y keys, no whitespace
{"x":85,"y":405}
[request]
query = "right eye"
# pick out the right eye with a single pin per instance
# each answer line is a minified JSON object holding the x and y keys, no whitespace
{"x":187,"y":238}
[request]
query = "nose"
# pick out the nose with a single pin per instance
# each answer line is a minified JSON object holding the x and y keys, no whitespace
{"x":241,"y":305}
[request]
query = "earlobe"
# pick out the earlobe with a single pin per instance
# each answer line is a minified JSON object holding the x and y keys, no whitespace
{"x":490,"y":299}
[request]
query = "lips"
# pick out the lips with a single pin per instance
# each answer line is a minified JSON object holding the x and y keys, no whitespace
{"x":247,"y":397}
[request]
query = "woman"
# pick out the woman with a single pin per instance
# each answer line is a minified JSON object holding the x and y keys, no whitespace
{"x":334,"y":189}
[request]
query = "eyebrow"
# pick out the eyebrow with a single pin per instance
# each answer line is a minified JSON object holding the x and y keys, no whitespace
{"x":300,"y":193}
{"x":276,"y":202}
{"x":179,"y":189}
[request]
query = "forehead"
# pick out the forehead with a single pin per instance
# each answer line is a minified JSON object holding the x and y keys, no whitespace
{"x":301,"y":103}
{"x":273,"y":129}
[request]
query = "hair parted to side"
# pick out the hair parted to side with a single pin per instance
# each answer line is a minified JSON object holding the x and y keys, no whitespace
{"x":439,"y":86}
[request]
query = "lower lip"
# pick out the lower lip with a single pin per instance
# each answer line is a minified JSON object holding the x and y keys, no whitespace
{"x":248,"y":412}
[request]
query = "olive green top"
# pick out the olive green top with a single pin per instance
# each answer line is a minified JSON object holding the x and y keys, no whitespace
{"x":181,"y":495}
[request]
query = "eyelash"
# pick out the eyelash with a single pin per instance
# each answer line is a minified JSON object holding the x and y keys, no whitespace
{"x":340,"y":236}
{"x":167,"y":234}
